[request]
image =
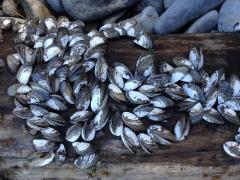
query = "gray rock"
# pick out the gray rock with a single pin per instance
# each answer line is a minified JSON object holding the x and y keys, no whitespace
{"x":182,"y":12}
{"x":88,"y":10}
{"x":56,"y":5}
{"x":229,"y":15}
{"x":113,"y":17}
{"x":157,"y":4}
{"x":147,"y":18}
{"x":204,"y":24}
{"x":168,"y":3}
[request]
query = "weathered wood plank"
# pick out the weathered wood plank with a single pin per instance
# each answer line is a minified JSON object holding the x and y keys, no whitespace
{"x":199,"y":156}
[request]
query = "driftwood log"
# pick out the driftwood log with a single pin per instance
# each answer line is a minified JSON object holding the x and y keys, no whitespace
{"x":200,"y":156}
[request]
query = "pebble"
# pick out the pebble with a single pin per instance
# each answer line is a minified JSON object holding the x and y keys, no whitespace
{"x":88,"y":10}
{"x":168,"y":3}
{"x":147,"y":18}
{"x":9,"y":7}
{"x":229,"y":15}
{"x":182,"y":12}
{"x":204,"y":24}
{"x":37,"y":8}
{"x":56,"y":5}
{"x":157,"y":4}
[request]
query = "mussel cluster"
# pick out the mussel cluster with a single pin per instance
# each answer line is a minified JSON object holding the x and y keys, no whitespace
{"x":61,"y":69}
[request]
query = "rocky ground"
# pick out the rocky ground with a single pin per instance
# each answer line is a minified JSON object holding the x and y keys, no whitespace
{"x":155,"y":16}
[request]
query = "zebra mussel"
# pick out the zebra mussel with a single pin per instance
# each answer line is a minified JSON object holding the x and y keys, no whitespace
{"x":61,"y":68}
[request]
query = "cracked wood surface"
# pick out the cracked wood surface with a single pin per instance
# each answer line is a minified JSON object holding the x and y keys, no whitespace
{"x":200,"y":156}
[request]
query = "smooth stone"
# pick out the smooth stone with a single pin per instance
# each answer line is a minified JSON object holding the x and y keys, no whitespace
{"x":35,"y":8}
{"x":56,"y":5}
{"x":204,"y":24}
{"x":229,"y":15}
{"x":88,"y":10}
{"x":168,"y":3}
{"x":114,"y":17}
{"x":147,"y":18}
{"x":157,"y":4}
{"x":182,"y":12}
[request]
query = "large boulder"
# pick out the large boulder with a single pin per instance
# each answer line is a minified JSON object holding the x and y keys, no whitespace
{"x":182,"y":12}
{"x":88,"y":10}
{"x":147,"y":18}
{"x":56,"y":5}
{"x":168,"y":3}
{"x":229,"y":15}
{"x":204,"y":24}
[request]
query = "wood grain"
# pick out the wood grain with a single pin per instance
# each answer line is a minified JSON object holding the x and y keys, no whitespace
{"x":200,"y":156}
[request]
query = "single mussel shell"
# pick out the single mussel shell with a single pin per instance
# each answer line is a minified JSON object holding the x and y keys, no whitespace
{"x":88,"y":131}
{"x":144,"y":41}
{"x":132,"y":121}
{"x":116,"y":124}
{"x":51,"y":134}
{"x":136,"y":97}
{"x":196,"y":58}
{"x":43,"y":145}
{"x":229,"y":114}
{"x":60,"y":155}
{"x":51,"y":51}
{"x":162,"y":102}
{"x":86,"y":161}
{"x":43,"y":160}
{"x":145,"y":65}
{"x":116,"y":93}
{"x":101,"y":118}
{"x":101,"y":69}
{"x":147,"y":143}
{"x":123,"y":70}
{"x":74,"y":132}
{"x":56,"y":102}
{"x":196,"y":113}
{"x":67,"y":92}
{"x":54,"y":119}
{"x":24,"y":73}
{"x":83,"y":148}
{"x":130,"y":139}
{"x":181,"y":128}
{"x":38,"y":110}
{"x":13,"y":62}
{"x":81,"y":116}
{"x":213,"y":116}
{"x":133,"y":83}
{"x":232,"y":149}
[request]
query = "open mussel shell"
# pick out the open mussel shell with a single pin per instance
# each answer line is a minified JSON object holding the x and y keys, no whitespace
{"x":83,"y":148}
{"x":116,"y":124}
{"x":43,"y":145}
{"x":132,"y":121}
{"x":74,"y":132}
{"x":232,"y":149}
{"x":147,"y":143}
{"x":60,"y":154}
{"x":86,"y":161}
{"x":130,"y":139}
